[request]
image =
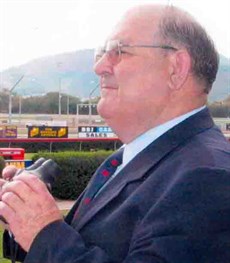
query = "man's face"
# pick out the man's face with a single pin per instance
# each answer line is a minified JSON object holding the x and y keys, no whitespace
{"x":134,"y":89}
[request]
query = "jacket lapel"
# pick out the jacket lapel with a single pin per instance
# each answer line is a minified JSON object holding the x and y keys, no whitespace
{"x":146,"y":160}
{"x":70,"y":215}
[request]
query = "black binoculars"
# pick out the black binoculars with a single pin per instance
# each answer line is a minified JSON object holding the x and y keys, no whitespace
{"x":46,"y":170}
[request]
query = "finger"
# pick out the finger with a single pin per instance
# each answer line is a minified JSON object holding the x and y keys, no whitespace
{"x":19,"y":188}
{"x":32,"y":181}
{"x":9,"y":172}
{"x":30,"y":189}
{"x":40,"y":195}
{"x":7,"y":212}
{"x":13,"y":201}
{"x":23,"y":210}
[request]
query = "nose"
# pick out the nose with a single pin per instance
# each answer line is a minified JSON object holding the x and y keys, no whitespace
{"x":103,"y":66}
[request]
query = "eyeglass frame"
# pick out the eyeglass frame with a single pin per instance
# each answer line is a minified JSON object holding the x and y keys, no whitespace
{"x":105,"y":50}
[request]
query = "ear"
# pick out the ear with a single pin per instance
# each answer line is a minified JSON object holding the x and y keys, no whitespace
{"x":179,"y":68}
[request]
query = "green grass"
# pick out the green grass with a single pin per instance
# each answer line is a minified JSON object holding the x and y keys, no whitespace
{"x":28,"y":156}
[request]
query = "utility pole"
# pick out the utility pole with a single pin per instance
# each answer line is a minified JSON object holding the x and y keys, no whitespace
{"x":59,"y":64}
{"x":90,"y":103}
{"x":77,"y":113}
{"x":67,"y":104}
{"x":20,"y":106}
{"x":10,"y":97}
{"x":59,"y":97}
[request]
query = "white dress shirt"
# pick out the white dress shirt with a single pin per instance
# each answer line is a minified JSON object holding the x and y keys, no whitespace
{"x":141,"y":142}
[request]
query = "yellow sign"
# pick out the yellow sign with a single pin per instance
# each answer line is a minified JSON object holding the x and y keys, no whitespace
{"x":47,"y":132}
{"x":18,"y":164}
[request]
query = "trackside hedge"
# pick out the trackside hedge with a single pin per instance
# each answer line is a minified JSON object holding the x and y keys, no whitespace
{"x":31,"y":147}
{"x":77,"y":169}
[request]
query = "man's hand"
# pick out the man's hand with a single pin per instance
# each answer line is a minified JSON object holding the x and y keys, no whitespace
{"x":7,"y":174}
{"x":28,"y":207}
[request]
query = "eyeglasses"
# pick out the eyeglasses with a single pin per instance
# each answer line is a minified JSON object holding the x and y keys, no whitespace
{"x":113,"y":49}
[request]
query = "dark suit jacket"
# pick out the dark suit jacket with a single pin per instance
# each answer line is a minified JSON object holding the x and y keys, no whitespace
{"x":170,"y":204}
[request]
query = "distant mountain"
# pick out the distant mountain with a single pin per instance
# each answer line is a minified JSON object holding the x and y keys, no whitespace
{"x":73,"y":73}
{"x":221,"y":87}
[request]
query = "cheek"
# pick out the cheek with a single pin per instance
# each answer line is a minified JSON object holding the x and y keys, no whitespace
{"x":131,"y":85}
{"x":134,"y":74}
{"x":145,"y":87}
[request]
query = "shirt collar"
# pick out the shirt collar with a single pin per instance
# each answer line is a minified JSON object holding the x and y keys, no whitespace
{"x":142,"y":141}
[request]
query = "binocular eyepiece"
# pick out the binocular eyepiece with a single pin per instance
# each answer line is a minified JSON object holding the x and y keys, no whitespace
{"x":46,"y":170}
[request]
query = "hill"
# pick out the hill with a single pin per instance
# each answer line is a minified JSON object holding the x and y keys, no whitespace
{"x":72,"y":73}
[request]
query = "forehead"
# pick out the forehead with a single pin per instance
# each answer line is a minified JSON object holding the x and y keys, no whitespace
{"x":137,"y":25}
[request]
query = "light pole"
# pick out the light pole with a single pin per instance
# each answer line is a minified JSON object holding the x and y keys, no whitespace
{"x":10,"y":97}
{"x":20,"y":106}
{"x":59,"y":97}
{"x":77,"y":114}
{"x":67,"y":104}
{"x":90,"y":103}
{"x":59,"y":64}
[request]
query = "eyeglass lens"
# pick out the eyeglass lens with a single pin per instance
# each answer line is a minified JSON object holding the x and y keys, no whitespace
{"x":112,"y":50}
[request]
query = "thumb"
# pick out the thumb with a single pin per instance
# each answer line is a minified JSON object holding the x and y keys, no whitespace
{"x":9,"y":172}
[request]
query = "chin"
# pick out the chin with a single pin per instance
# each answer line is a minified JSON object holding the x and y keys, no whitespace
{"x":106,"y":109}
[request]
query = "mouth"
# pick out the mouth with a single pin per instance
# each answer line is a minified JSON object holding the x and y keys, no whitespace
{"x":108,"y":87}
{"x":108,"y":91}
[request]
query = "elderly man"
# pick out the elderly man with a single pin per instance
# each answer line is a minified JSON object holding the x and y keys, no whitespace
{"x":169,"y":200}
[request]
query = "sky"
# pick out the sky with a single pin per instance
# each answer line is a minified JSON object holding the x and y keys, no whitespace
{"x":31,"y":29}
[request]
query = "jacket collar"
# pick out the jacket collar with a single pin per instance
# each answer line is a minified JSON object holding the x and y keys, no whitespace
{"x":146,"y":160}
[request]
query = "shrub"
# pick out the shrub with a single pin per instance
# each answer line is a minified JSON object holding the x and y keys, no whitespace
{"x":35,"y":147}
{"x":77,"y":169}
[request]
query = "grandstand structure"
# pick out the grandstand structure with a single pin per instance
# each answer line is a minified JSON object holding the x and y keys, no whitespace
{"x":74,"y":121}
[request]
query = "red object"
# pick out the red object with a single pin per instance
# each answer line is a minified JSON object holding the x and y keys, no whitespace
{"x":105,"y":173}
{"x":87,"y":201}
{"x":12,"y":153}
{"x":114,"y":162}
